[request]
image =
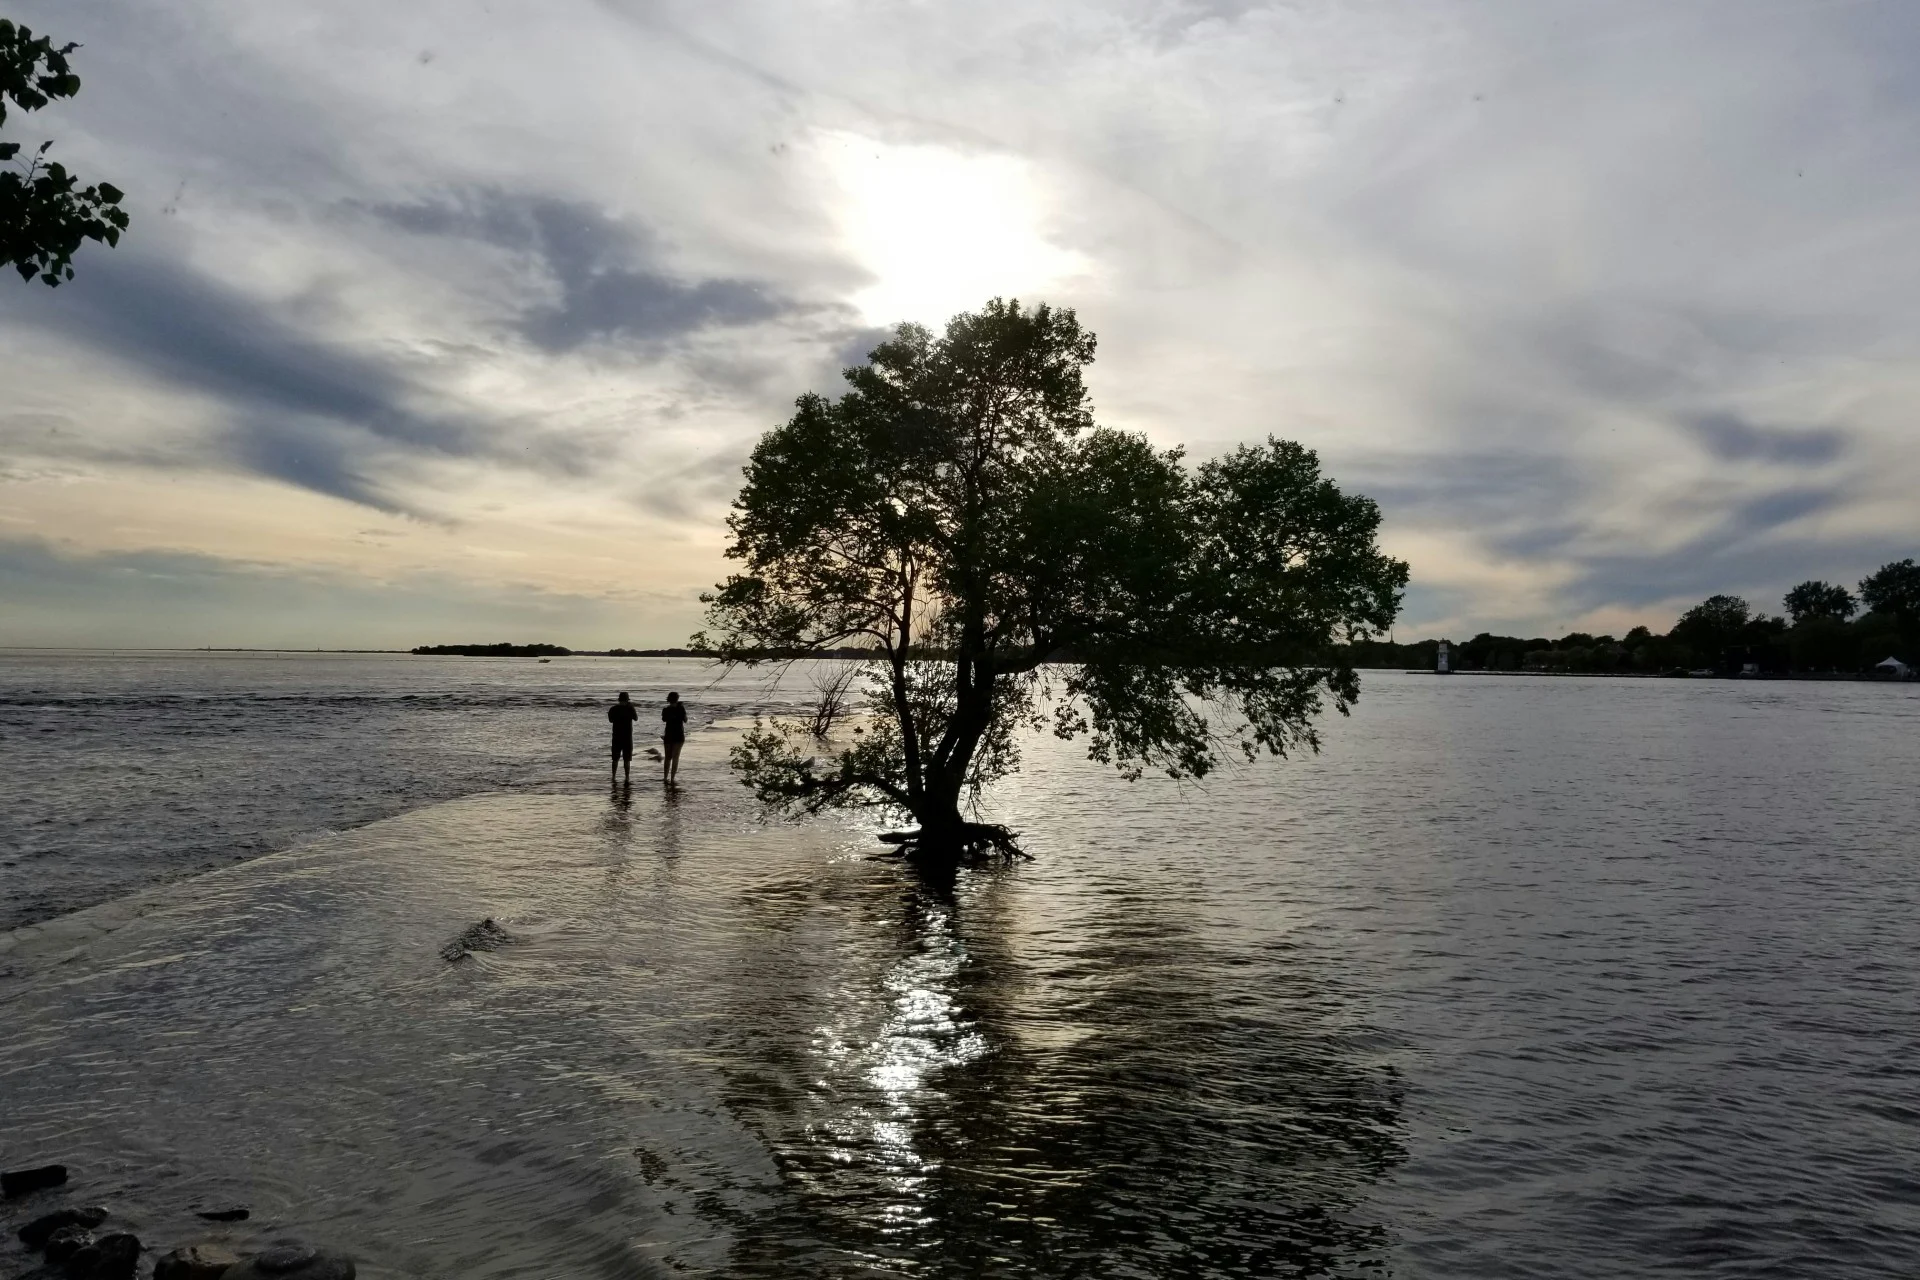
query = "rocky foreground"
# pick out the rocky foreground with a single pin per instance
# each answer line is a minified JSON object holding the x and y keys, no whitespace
{"x":74,"y":1247}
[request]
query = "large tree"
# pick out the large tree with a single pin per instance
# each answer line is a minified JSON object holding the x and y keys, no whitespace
{"x":1713,"y":626}
{"x":1012,"y":564}
{"x":45,"y":213}
{"x":1815,"y":599}
{"x":1894,"y":589}
{"x":1893,"y":592}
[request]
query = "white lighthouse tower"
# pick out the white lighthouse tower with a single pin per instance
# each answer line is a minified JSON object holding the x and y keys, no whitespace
{"x":1440,"y":667}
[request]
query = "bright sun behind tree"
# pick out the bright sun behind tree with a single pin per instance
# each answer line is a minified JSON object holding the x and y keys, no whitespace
{"x":939,"y":229}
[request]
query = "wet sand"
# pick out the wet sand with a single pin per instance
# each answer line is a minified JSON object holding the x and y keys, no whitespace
{"x":287,"y":1035}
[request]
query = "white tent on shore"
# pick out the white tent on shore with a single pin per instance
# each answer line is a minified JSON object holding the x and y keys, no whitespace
{"x":1894,"y":667}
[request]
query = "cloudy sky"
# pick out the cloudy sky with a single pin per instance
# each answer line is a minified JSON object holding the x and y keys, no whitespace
{"x":448,"y":321}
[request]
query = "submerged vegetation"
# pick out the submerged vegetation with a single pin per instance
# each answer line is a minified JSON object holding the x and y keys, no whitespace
{"x":958,"y":511}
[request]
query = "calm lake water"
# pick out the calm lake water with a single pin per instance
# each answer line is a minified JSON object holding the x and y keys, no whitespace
{"x":1521,"y":977}
{"x":127,"y":768}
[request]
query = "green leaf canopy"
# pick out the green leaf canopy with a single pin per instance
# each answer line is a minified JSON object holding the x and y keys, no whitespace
{"x":1007,"y":559}
{"x":45,"y":214}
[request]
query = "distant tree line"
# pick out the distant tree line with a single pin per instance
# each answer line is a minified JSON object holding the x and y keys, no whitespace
{"x":1825,"y":628}
{"x":505,"y":650}
{"x":502,"y":650}
{"x":856,"y":652}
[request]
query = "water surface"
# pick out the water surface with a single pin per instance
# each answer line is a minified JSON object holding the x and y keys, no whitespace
{"x":1521,"y":977}
{"x":125,"y":769}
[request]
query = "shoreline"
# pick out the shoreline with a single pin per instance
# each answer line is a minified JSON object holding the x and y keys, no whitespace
{"x":540,"y":781}
{"x":296,"y":1034}
{"x":1802,"y":677}
{"x":1838,"y":677}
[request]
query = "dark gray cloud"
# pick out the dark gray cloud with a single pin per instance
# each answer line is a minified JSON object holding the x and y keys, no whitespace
{"x":608,"y":286}
{"x":1481,"y":489}
{"x":311,"y":455}
{"x":201,"y":335}
{"x":858,"y":346}
{"x":300,"y":408}
{"x":1529,"y":508}
{"x":1746,"y":544}
{"x":1762,"y":515}
{"x":1636,"y":580}
{"x":1731,"y":438}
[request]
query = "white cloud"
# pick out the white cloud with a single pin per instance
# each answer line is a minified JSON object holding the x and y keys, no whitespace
{"x":539,"y":275}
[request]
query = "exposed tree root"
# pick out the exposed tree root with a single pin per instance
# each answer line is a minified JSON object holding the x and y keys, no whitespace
{"x":971,"y":844}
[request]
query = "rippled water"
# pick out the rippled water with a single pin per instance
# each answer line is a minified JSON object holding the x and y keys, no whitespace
{"x":1520,"y":978}
{"x":128,"y":768}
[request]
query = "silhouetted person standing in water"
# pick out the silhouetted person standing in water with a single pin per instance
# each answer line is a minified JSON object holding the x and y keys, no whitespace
{"x":623,"y":713}
{"x":674,"y":715}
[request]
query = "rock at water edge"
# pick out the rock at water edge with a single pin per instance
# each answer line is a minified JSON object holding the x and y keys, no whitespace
{"x":111,"y":1257}
{"x":36,"y":1233}
{"x":236,"y":1213}
{"x":196,"y":1262}
{"x":294,"y":1262}
{"x":21,"y":1181}
{"x":66,"y":1242}
{"x":484,"y":936}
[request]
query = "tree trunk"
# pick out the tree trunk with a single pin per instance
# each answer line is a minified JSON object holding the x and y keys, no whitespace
{"x":937,"y":776}
{"x":942,"y":828}
{"x":946,"y":838}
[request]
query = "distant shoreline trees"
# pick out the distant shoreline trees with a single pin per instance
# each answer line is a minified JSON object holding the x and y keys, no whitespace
{"x":1826,"y":629}
{"x":502,"y":650}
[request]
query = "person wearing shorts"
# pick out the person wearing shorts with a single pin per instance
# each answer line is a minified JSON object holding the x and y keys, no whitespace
{"x":623,"y":713}
{"x":673,"y":717}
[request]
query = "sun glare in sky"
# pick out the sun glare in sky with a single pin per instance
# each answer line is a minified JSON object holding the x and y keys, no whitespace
{"x":940,"y":230}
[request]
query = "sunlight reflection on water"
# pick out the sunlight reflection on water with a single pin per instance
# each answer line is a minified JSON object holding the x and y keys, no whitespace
{"x":1520,"y":978}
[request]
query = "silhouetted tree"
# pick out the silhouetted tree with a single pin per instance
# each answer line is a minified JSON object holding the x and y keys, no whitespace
{"x":1824,"y":644}
{"x":1714,"y":625}
{"x":44,"y":212}
{"x":1815,"y":599}
{"x":1893,"y":592}
{"x":1894,"y":589}
{"x":1014,"y":564}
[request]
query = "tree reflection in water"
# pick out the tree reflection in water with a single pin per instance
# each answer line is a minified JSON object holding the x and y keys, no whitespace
{"x":1119,"y":1099}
